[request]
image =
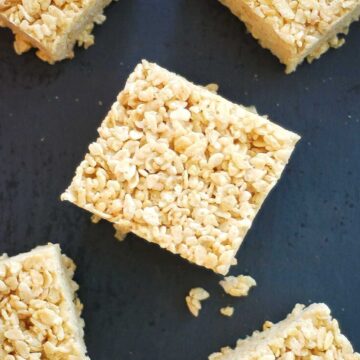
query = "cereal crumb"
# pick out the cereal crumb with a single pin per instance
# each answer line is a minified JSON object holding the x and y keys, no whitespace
{"x":237,"y":285}
{"x":193,"y":300}
{"x":227,"y":311}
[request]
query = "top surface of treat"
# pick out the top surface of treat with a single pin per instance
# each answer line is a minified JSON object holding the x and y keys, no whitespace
{"x":45,"y":21}
{"x":35,"y":322}
{"x":300,"y":23}
{"x":181,"y":166}
{"x":306,"y":333}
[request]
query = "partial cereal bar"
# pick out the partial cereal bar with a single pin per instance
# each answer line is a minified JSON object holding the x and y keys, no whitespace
{"x":295,"y":30}
{"x":39,"y":309}
{"x":54,"y":27}
{"x":307,"y":333}
{"x":181,"y":167}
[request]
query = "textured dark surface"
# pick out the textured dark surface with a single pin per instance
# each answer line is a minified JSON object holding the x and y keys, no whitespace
{"x":304,"y":245}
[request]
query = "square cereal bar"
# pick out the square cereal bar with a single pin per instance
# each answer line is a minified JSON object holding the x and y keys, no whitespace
{"x":39,"y":309}
{"x":307,"y":333}
{"x":296,"y":29}
{"x":181,"y":167}
{"x":52,"y":26}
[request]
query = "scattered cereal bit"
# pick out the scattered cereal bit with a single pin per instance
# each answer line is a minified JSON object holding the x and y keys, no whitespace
{"x":306,"y":333}
{"x":295,"y":30}
{"x":181,"y":167}
{"x":237,"y":285}
{"x":52,"y":26}
{"x":40,"y":312}
{"x":193,"y":300}
{"x":227,"y":311}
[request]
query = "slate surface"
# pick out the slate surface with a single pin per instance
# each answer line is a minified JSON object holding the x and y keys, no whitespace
{"x":304,"y":245}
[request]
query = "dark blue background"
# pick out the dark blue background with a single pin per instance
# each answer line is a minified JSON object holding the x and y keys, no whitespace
{"x":304,"y":245}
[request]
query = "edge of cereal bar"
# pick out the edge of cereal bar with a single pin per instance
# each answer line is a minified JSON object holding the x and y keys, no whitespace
{"x":65,"y":268}
{"x":269,"y":39}
{"x":283,"y":340}
{"x":62,"y":46}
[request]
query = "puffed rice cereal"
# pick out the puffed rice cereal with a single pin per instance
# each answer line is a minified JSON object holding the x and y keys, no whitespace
{"x":237,"y":285}
{"x":181,"y":167}
{"x":227,"y":311}
{"x":39,"y":310}
{"x":307,"y":333}
{"x":296,"y":29}
{"x":52,"y":26}
{"x":193,"y":300}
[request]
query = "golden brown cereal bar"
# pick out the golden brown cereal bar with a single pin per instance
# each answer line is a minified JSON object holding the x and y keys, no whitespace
{"x":307,"y":333}
{"x":52,"y":26}
{"x":295,"y":30}
{"x":39,"y":309}
{"x":181,"y":167}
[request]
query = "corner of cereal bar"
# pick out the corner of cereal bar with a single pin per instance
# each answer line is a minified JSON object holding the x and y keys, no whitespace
{"x":306,"y":333}
{"x":53,"y":27}
{"x":296,"y":30}
{"x":40,"y":312}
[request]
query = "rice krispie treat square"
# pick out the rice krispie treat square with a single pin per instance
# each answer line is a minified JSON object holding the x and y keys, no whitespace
{"x":39,"y":309}
{"x":307,"y":333}
{"x":54,"y":27}
{"x":296,"y":29}
{"x":181,"y":167}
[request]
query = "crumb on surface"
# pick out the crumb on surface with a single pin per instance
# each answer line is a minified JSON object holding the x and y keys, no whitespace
{"x":193,"y":300}
{"x":227,"y":311}
{"x":237,"y":285}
